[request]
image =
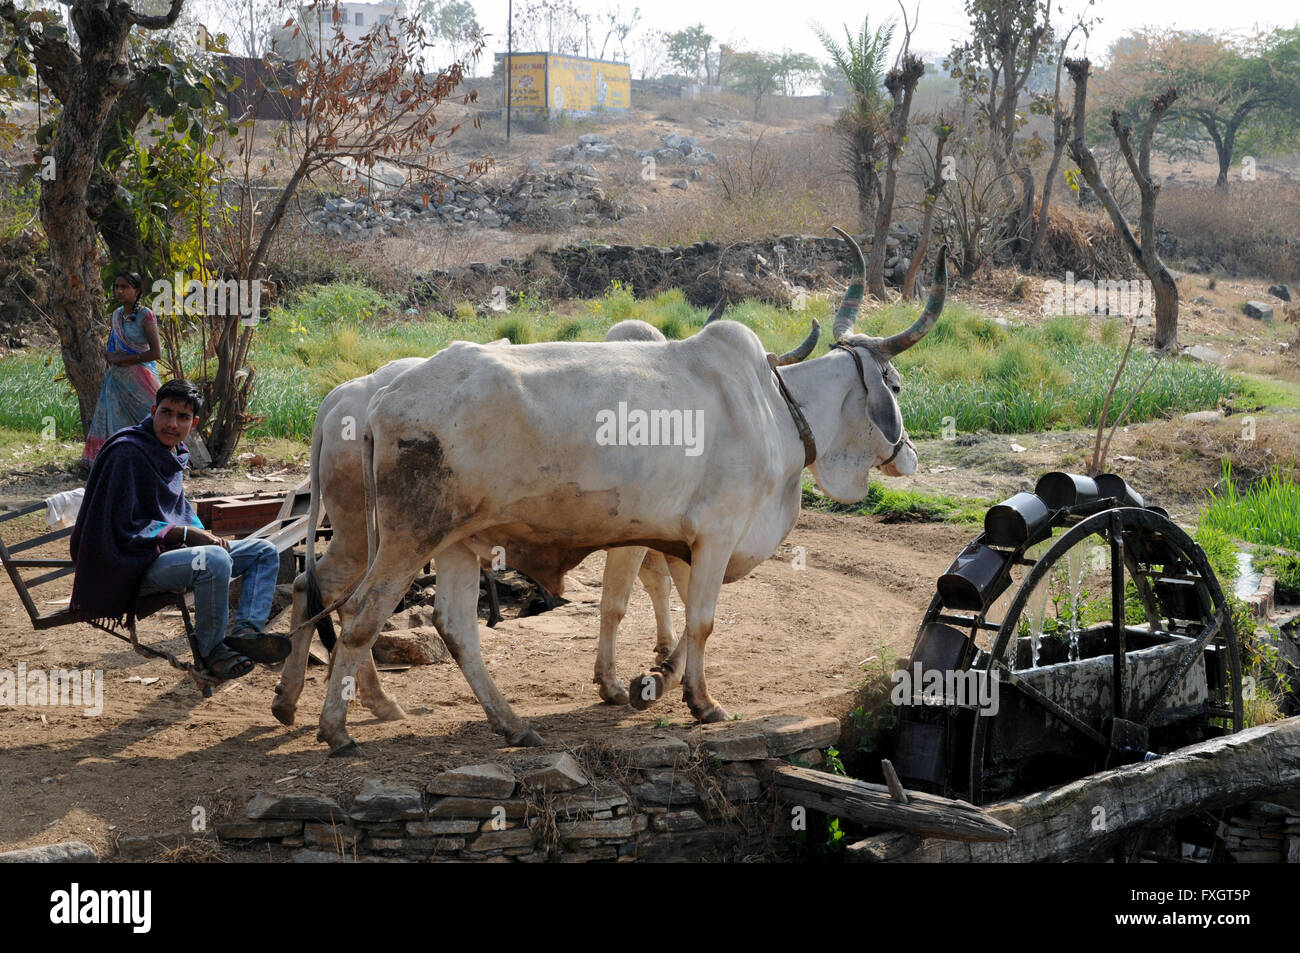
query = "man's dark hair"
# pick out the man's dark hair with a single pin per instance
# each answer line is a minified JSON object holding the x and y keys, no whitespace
{"x":182,"y":390}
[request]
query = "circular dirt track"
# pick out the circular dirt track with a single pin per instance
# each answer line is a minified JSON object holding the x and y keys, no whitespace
{"x":785,"y":641}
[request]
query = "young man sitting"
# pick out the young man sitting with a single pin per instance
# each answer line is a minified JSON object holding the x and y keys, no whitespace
{"x":136,"y":534}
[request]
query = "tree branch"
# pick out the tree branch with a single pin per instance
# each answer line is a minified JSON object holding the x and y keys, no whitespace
{"x":157,"y":22}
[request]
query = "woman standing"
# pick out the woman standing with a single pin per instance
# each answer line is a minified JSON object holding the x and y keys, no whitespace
{"x":132,"y":378}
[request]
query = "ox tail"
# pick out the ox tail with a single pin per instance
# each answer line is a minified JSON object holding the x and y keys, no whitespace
{"x":315,"y":601}
{"x":368,"y":480}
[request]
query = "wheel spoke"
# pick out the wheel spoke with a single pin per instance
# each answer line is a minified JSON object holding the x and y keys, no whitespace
{"x":1119,"y":697}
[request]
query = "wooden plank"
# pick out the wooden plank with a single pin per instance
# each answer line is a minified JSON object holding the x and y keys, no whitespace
{"x":242,"y":516}
{"x":872,"y":804}
{"x":203,"y":506}
{"x":1084,"y":819}
{"x":293,"y":503}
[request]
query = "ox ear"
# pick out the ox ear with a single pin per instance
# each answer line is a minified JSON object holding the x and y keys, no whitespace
{"x":497,"y":343}
{"x":882,"y":404}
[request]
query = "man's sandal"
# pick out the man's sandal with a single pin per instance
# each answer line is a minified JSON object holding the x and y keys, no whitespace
{"x":260,"y":646}
{"x":230,"y":667}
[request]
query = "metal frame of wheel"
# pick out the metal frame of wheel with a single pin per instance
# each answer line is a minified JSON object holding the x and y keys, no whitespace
{"x":1114,"y":524}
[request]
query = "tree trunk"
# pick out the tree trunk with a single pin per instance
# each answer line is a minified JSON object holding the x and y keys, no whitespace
{"x":901,"y":84}
{"x":76,"y":288}
{"x":932,"y":200}
{"x":1062,"y":129}
{"x":87,"y":81}
{"x":1145,"y":254}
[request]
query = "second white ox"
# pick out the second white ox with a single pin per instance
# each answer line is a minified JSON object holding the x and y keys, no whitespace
{"x":337,"y":489}
{"x":481,"y":447}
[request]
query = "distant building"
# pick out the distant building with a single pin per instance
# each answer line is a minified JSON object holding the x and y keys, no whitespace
{"x":551,"y":85}
{"x":356,"y":20}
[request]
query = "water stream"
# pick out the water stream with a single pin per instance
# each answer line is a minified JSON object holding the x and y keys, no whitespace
{"x":1248,"y":576}
{"x":1076,"y":561}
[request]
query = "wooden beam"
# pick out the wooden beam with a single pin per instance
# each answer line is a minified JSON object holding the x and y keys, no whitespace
{"x":872,"y":804}
{"x":1082,"y":820}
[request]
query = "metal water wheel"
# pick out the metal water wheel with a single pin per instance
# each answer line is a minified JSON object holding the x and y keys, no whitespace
{"x":1058,"y":702}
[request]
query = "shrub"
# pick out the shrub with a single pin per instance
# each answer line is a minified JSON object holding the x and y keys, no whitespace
{"x":520,"y":330}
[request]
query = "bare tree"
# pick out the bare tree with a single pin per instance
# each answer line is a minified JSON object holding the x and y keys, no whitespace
{"x":1145,"y":253}
{"x":942,"y":130}
{"x":900,"y":84}
{"x":359,"y":103}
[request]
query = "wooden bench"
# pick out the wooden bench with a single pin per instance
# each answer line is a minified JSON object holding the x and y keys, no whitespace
{"x":57,"y":568}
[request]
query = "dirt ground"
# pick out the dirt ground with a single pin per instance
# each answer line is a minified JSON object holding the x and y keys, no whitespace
{"x":785,"y":641}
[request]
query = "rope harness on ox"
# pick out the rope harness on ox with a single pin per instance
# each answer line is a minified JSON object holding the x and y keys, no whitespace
{"x":801,"y":422}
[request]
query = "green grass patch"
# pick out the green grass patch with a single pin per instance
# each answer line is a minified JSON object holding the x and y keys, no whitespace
{"x":981,"y":374}
{"x":1267,"y":513}
{"x":1284,"y":565}
{"x":1221,"y":551}
{"x":1025,"y":379}
{"x":31,"y":398}
{"x":911,"y":506}
{"x":1255,"y":390}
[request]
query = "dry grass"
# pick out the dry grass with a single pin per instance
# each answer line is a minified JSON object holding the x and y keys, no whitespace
{"x":1084,"y":242}
{"x":1249,"y":226}
{"x":1184,"y":458}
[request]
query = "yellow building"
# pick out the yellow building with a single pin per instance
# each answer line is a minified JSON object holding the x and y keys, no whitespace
{"x":547,"y":84}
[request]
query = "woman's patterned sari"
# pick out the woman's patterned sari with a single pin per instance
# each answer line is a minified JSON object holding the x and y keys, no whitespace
{"x":128,"y":390}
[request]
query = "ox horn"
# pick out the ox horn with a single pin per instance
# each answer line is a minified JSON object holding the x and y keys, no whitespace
{"x":900,"y":342}
{"x":797,"y":354}
{"x":717,"y":310}
{"x":847,"y":315}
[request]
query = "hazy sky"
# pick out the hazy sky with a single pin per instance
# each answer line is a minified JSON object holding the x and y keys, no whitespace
{"x":776,"y":24}
{"x":779,"y":24}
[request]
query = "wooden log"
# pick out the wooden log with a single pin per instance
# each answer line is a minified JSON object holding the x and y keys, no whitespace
{"x":872,"y":804}
{"x":1082,"y":820}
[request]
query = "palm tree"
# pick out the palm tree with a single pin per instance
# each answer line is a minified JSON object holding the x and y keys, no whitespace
{"x":865,"y":120}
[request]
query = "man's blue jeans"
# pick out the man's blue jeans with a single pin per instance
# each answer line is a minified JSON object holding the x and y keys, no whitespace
{"x":208,"y":571}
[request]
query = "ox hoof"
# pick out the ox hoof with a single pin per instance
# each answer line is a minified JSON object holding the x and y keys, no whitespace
{"x":713,"y":714}
{"x":387,"y":710}
{"x":349,"y":750}
{"x":646,"y":690}
{"x":614,"y":693}
{"x":284,"y":712}
{"x":526,"y":739}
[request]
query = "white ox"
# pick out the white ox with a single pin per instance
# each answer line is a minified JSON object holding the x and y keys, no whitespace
{"x":481,"y":447}
{"x":336,"y":483}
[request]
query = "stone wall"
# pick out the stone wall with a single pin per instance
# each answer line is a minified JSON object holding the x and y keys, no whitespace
{"x":696,"y":796}
{"x":776,"y":270}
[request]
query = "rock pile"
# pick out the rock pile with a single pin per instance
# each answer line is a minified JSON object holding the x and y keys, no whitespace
{"x":570,"y":195}
{"x":589,"y":148}
{"x":679,"y":150}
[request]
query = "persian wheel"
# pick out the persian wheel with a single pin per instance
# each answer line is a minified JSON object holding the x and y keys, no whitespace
{"x":1149,"y":664}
